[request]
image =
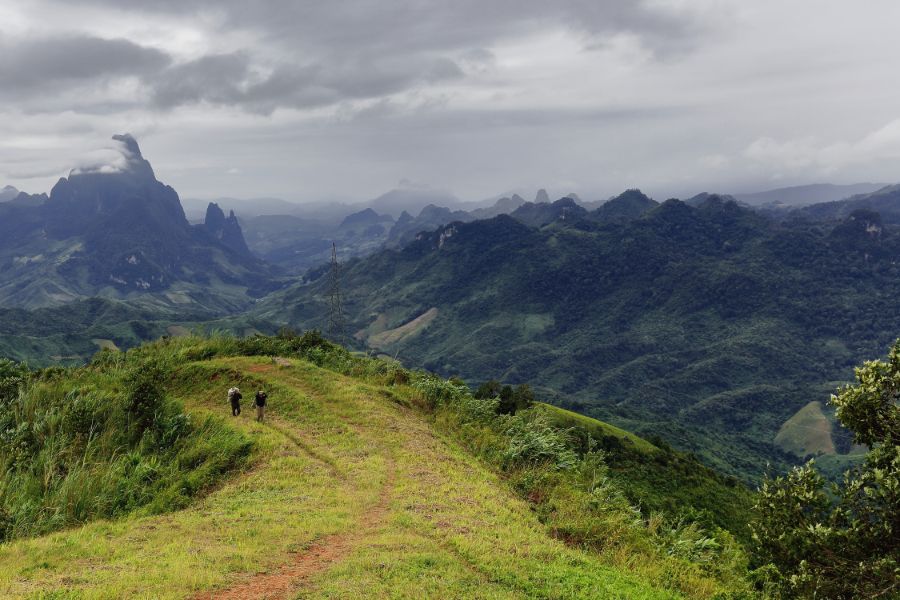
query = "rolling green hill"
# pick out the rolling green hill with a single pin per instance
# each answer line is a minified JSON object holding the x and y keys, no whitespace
{"x":707,"y":326}
{"x":365,"y":480}
{"x":71,"y":334}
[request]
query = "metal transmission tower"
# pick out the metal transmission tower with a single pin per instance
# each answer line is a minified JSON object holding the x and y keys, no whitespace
{"x":336,"y":309}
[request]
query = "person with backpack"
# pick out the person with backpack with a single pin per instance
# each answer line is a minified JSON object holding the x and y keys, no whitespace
{"x":261,"y":398}
{"x":234,"y":395}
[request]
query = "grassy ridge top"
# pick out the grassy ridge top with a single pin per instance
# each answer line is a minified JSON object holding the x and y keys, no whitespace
{"x":393,"y":492}
{"x":599,"y":429}
{"x":660,"y":479}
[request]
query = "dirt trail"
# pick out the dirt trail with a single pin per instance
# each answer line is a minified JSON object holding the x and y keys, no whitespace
{"x":321,"y":554}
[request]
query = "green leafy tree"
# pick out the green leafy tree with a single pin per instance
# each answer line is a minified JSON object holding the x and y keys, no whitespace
{"x":144,"y":397}
{"x":510,"y":399}
{"x":523,"y":397}
{"x":488,"y":389}
{"x":507,"y":405}
{"x":845,"y":544}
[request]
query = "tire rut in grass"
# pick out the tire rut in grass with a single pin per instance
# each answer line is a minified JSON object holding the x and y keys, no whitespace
{"x":283,"y":582}
{"x":329,"y":462}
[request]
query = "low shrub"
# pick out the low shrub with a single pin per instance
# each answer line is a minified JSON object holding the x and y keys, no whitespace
{"x":564,"y":473}
{"x":102,"y":441}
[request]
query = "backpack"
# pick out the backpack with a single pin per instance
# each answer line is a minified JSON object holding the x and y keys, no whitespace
{"x":234,"y":394}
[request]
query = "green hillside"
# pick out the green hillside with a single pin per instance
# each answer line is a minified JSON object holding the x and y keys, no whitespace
{"x":660,"y":479}
{"x":72,"y":334}
{"x":706,"y":326}
{"x":366,"y":480}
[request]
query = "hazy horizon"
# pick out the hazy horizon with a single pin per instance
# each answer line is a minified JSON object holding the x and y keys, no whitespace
{"x":312,"y":102}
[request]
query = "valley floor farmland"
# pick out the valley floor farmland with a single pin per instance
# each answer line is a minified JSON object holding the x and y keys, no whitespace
{"x":350,"y":494}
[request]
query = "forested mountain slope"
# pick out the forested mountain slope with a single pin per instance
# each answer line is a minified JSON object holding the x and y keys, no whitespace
{"x":709,"y":326}
{"x":116,"y":231}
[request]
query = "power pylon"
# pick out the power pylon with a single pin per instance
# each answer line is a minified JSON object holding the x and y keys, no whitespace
{"x":336,"y":309}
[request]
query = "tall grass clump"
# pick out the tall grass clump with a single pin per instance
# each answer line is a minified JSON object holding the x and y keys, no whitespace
{"x":574,"y":495}
{"x":102,"y":441}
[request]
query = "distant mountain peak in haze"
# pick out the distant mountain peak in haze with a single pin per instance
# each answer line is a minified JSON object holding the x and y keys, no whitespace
{"x":7,"y":193}
{"x":112,"y":229}
{"x":130,"y":144}
{"x":365,"y":217}
{"x":396,"y":201}
{"x":541,"y":196}
{"x":124,"y":158}
{"x":226,"y":230}
{"x":628,"y":205}
{"x":806,"y":195}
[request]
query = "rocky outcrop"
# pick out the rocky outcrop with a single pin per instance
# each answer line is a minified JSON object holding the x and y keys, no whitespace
{"x":227,"y":230}
{"x":7,"y":193}
{"x":365,"y":218}
{"x":115,"y":229}
{"x":429,"y":218}
{"x":113,"y":194}
{"x":543,"y":213}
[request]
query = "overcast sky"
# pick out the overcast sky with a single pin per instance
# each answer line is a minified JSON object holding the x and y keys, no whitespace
{"x":309,"y":100}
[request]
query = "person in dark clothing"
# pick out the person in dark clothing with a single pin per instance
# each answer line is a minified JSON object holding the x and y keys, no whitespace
{"x":234,"y":395}
{"x":261,"y":398}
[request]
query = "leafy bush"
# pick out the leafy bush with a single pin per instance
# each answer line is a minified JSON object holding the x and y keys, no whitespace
{"x":509,"y":399}
{"x":102,"y":441}
{"x":534,"y":442}
{"x":144,"y":397}
{"x":844,"y":542}
{"x":574,"y":493}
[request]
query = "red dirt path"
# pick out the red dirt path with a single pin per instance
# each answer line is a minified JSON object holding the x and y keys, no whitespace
{"x":280,"y":583}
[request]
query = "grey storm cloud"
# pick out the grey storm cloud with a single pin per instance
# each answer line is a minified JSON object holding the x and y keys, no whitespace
{"x":434,"y":23}
{"x":329,"y":52}
{"x":307,"y":98}
{"x":233,"y":79}
{"x":40,"y":64}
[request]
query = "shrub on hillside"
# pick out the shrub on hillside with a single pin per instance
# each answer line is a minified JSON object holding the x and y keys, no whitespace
{"x":845,"y":542}
{"x":564,"y":473}
{"x":144,"y":398}
{"x":535,"y":442}
{"x":509,"y":399}
{"x":101,"y":441}
{"x":12,"y":376}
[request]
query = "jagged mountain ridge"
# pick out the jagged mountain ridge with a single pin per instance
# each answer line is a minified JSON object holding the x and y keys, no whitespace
{"x":692,"y":323}
{"x":299,"y":244}
{"x":227,"y":230}
{"x":558,"y":263}
{"x":885,"y":201}
{"x":302,"y":243}
{"x":116,"y":231}
{"x":806,"y":195}
{"x":7,"y":193}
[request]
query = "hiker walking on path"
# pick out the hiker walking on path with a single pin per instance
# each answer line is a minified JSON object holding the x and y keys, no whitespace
{"x":234,"y":395}
{"x":261,"y":398}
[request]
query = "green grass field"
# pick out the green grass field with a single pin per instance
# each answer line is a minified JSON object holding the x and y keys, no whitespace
{"x":567,"y":418}
{"x":349,"y":493}
{"x":807,"y":432}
